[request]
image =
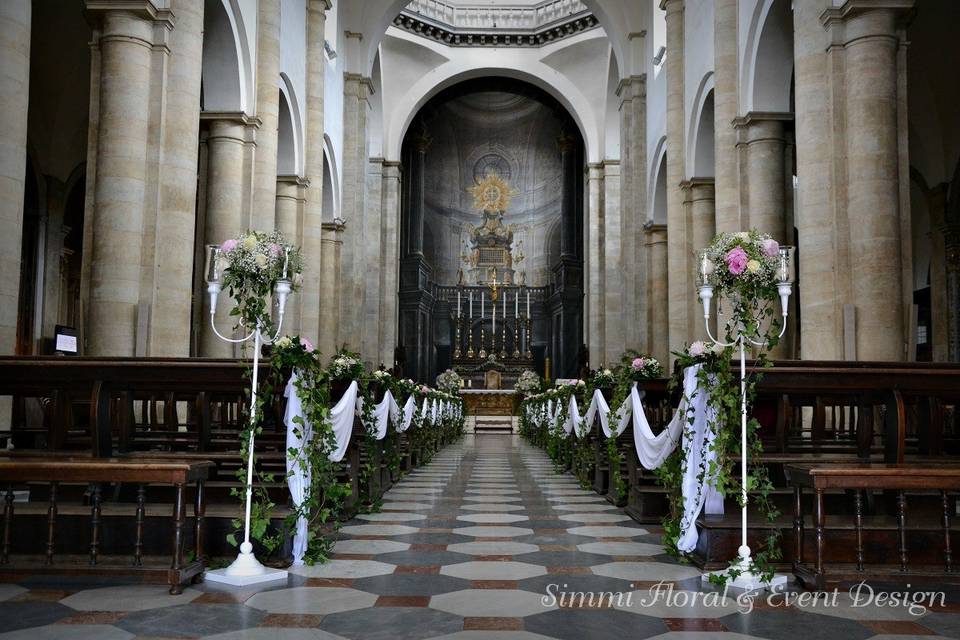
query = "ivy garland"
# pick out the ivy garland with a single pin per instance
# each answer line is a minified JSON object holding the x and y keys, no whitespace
{"x":743,"y":268}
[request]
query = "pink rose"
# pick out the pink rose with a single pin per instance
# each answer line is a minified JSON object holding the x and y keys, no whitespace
{"x":306,"y":344}
{"x":424,"y":389}
{"x":639,"y":364}
{"x":737,"y":260}
{"x":275,"y":249}
{"x":697,"y":349}
{"x":770,"y":248}
{"x":228,"y":246}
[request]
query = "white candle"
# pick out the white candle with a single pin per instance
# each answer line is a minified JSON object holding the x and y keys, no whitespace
{"x":505,"y":294}
{"x":494,"y":315}
{"x":458,"y":304}
{"x":516,"y":304}
{"x":471,"y":305}
{"x":528,"y":304}
{"x":482,"y":301}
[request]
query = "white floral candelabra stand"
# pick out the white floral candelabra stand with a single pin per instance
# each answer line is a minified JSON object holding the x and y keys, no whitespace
{"x":246,"y":569}
{"x":746,"y":579}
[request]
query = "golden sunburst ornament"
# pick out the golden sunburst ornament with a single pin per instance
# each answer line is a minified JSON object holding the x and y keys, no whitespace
{"x":493,"y":193}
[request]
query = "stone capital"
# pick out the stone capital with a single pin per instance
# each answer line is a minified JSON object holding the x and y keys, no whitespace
{"x":319,"y":5}
{"x":145,"y":9}
{"x":757,"y":126}
{"x":671,"y":6}
{"x":656,"y":233}
{"x":595,"y":171}
{"x":295,"y":180}
{"x":233,"y":116}
{"x":632,"y":87}
{"x":857,"y":20}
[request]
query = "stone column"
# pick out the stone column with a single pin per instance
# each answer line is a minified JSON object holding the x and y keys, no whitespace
{"x":14,"y":94}
{"x":633,"y":204}
{"x":594,"y":313}
{"x":616,"y":294}
{"x":951,"y":241}
{"x":725,"y":109}
{"x":570,"y":174}
{"x":678,"y":278}
{"x":870,"y":41}
{"x":656,"y":268}
{"x":702,"y":212}
{"x":176,"y":225}
{"x":126,"y":43}
{"x":268,"y":109}
{"x":821,"y":283}
{"x":224,"y":217}
{"x":329,"y":280}
{"x":372,"y":256}
{"x":315,"y":144}
{"x":356,"y":91}
{"x":761,"y":140}
{"x":389,"y":263}
{"x":288,"y":223}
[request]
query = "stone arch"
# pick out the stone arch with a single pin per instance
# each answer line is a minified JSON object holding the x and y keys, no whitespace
{"x":227,"y":62}
{"x":767,"y":73}
{"x":700,"y":155}
{"x":657,"y":189}
{"x":611,"y":125}
{"x":290,"y":157}
{"x":331,"y":189}
{"x":450,"y":74}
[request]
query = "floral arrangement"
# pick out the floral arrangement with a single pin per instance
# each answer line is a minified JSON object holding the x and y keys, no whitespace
{"x":603,"y":377}
{"x":745,"y":268}
{"x":742,"y":264}
{"x":346,"y":366}
{"x":644,"y":368}
{"x":382,"y":376}
{"x":254,"y":263}
{"x":528,"y":383}
{"x":449,"y":381}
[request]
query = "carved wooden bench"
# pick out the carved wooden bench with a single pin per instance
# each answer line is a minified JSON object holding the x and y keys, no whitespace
{"x":858,"y":478}
{"x":110,"y":470}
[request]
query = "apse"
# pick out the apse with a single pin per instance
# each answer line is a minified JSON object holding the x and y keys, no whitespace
{"x":492,"y":192}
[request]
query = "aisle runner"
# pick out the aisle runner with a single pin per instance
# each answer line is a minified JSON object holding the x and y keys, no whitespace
{"x":653,"y":450}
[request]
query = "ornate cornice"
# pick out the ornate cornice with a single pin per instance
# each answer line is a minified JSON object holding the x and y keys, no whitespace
{"x":494,"y":37}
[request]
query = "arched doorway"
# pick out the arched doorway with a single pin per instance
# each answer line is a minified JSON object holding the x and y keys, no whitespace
{"x":493,"y":170}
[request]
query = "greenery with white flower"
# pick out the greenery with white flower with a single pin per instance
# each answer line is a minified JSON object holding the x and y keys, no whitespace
{"x":253,"y":263}
{"x":744,"y":268}
{"x":528,"y":383}
{"x":449,"y":381}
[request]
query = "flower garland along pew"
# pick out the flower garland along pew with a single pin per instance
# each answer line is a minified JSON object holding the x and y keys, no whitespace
{"x":319,"y":436}
{"x":715,"y":459}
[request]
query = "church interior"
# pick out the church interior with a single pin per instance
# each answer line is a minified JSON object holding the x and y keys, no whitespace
{"x":479,"y":319}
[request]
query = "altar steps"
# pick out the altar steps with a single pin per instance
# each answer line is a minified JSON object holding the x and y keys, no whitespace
{"x":493,"y":424}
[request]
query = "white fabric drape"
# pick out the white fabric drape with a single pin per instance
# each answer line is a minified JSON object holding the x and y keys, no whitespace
{"x":341,"y":417}
{"x":298,"y":471}
{"x":653,"y":450}
{"x":405,"y":420}
{"x":698,"y":443}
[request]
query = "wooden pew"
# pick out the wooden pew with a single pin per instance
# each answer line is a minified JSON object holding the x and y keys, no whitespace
{"x":858,"y":478}
{"x":111,"y":470}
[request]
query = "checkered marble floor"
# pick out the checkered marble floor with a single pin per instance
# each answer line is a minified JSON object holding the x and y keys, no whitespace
{"x":471,"y":546}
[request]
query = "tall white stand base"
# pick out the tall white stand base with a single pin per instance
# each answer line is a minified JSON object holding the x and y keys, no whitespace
{"x":245,"y":570}
{"x":750,"y":581}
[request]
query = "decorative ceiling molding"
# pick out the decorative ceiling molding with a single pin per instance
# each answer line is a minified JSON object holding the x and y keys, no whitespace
{"x":496,"y":26}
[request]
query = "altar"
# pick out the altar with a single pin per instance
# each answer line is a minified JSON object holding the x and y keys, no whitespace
{"x":490,"y":402}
